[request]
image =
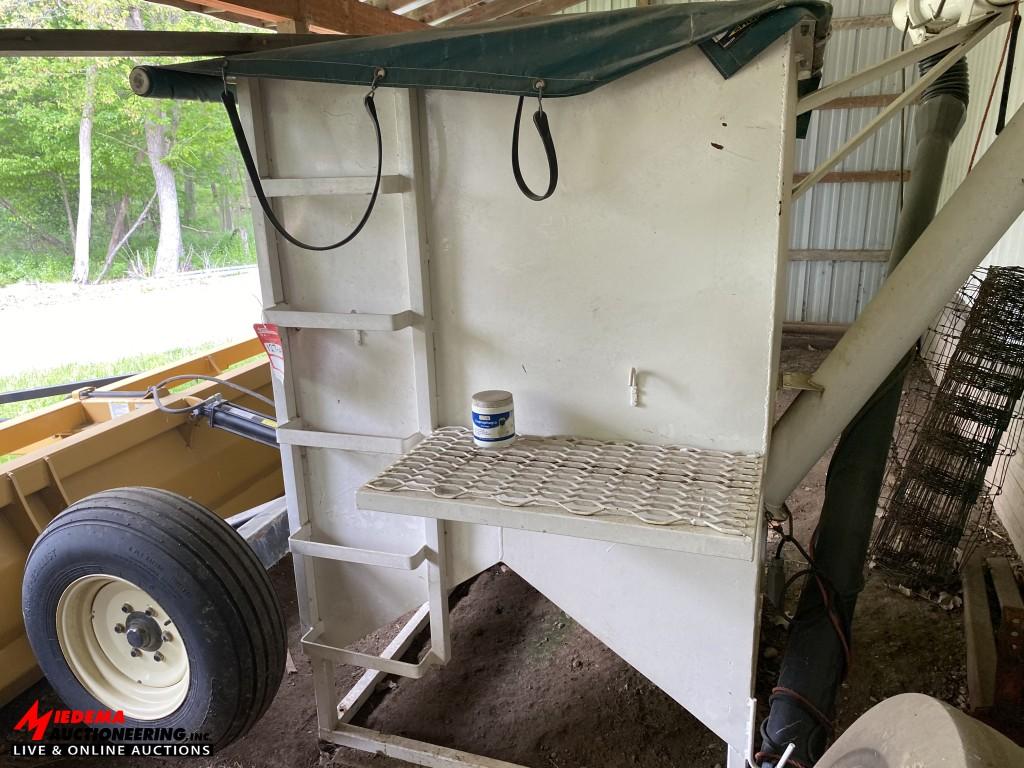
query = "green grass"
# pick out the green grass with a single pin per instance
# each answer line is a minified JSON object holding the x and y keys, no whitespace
{"x":80,"y":371}
{"x":202,"y":251}
{"x":34,"y":267}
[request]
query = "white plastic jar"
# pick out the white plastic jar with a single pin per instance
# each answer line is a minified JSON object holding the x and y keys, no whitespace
{"x":494,"y":419}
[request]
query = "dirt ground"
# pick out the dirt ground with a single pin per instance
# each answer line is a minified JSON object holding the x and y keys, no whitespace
{"x":529,"y":685}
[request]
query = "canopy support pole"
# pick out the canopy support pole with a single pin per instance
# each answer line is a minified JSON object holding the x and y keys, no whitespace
{"x":971,"y":223}
{"x":911,"y":94}
{"x":895,"y":63}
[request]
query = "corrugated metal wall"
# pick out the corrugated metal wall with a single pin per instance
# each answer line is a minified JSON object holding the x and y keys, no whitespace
{"x":848,"y":216}
{"x":983,"y":63}
{"x":851,"y":215}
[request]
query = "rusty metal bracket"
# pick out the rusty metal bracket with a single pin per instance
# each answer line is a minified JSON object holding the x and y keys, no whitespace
{"x":799,"y":380}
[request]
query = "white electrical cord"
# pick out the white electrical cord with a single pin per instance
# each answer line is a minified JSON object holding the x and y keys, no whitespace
{"x":785,"y":756}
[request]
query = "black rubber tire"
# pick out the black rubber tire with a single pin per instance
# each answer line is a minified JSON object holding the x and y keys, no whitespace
{"x":199,"y":570}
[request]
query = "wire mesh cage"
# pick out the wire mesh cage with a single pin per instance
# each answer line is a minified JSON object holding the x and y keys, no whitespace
{"x":958,"y":426}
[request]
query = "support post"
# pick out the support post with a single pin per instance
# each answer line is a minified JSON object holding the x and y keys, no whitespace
{"x":971,"y":223}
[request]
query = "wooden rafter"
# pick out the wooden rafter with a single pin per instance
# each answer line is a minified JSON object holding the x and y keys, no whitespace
{"x":880,"y":21}
{"x":354,"y":17}
{"x":458,"y":12}
{"x":861,"y":102}
{"x":488,"y":11}
{"x":838,"y":255}
{"x":542,"y":8}
{"x":119,"y":42}
{"x":857,"y":177}
{"x":439,"y":9}
{"x":350,"y":17}
{"x":402,"y":7}
{"x":197,"y":7}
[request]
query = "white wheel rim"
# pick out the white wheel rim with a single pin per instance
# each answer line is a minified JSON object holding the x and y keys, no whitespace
{"x":94,"y":616}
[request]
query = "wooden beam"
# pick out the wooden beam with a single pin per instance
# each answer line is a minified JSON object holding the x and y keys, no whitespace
{"x":197,"y":7}
{"x":543,"y":8}
{"x":817,"y":329}
{"x":826,"y":254}
{"x":488,"y":11}
{"x":259,"y":10}
{"x":293,"y":27}
{"x":861,"y":102}
{"x":439,"y":9}
{"x":862,"y":22}
{"x":981,"y":644}
{"x":349,"y":17}
{"x":355,"y":18}
{"x":402,"y":7}
{"x":127,"y":43}
{"x":857,"y":177}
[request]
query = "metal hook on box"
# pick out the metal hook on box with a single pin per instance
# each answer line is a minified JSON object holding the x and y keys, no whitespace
{"x":359,"y":334}
{"x":540,"y":121}
{"x":378,"y":74}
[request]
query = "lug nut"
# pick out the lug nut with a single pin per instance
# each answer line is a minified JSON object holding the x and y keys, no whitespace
{"x":136,"y":652}
{"x":158,"y":656}
{"x":167,"y":637}
{"x":119,"y":628}
{"x":126,"y":608}
{"x":150,"y":612}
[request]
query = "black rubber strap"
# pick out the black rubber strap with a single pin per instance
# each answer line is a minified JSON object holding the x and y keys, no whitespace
{"x":250,"y":167}
{"x":1011,"y":53}
{"x":544,"y":131}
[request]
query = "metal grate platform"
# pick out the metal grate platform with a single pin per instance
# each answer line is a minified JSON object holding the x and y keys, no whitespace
{"x":669,"y":497}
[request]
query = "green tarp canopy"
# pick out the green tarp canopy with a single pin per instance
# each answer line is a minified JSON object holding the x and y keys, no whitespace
{"x":571,"y":54}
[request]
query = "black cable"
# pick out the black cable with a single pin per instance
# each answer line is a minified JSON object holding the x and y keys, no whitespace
{"x":830,"y":595}
{"x":231,"y":106}
{"x":1011,"y":54}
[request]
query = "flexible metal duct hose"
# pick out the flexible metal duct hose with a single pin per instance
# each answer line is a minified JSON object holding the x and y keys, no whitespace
{"x":953,"y":82}
{"x":804,"y":702}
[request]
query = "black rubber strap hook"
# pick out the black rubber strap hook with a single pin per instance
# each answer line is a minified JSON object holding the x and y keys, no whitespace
{"x":540,"y":120}
{"x":231,"y":106}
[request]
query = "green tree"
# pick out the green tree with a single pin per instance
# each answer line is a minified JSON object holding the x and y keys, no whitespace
{"x":64,"y":115}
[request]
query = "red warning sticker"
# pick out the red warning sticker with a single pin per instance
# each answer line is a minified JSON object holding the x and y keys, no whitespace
{"x":271,"y":340}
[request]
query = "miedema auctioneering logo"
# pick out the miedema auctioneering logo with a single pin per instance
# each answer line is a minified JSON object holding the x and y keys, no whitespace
{"x":100,"y":733}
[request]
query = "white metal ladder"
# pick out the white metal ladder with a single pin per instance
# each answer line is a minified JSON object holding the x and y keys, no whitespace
{"x":294,"y":435}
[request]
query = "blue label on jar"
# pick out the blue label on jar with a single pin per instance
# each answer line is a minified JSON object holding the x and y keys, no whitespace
{"x":490,"y":420}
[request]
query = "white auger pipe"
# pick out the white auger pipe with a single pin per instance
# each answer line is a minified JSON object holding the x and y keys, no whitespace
{"x":985,"y":205}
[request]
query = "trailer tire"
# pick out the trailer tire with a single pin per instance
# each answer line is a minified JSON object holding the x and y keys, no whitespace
{"x":206,"y":652}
